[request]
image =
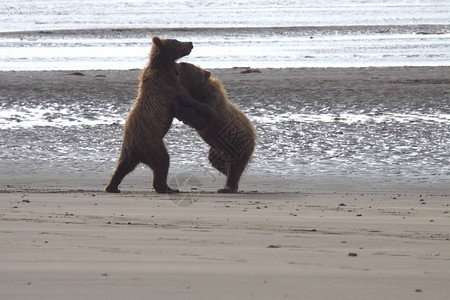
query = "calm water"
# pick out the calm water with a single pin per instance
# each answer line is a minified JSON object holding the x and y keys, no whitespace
{"x":67,"y":14}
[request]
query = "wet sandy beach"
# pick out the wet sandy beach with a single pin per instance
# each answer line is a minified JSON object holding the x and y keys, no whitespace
{"x":347,"y":196}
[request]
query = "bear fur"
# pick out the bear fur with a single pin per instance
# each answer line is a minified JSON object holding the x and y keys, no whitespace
{"x":151,"y":115}
{"x":228,"y":131}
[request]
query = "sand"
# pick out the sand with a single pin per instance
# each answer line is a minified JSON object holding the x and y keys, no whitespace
{"x":319,"y":237}
{"x":91,"y":245}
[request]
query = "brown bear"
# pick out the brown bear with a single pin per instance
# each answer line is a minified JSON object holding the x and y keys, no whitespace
{"x":151,"y":115}
{"x":229,"y":132}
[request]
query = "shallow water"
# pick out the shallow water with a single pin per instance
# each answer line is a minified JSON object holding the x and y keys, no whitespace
{"x":300,"y":134}
{"x":355,"y":47}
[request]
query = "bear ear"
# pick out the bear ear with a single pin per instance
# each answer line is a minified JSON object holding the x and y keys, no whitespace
{"x":207,"y":74}
{"x":157,"y":41}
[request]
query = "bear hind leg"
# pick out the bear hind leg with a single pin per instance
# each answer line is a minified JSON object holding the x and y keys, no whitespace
{"x":158,"y":160}
{"x":218,"y":160}
{"x":125,"y":164}
{"x":234,"y":175}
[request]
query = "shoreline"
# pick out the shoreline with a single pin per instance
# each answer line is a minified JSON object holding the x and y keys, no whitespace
{"x":243,"y":69}
{"x":439,"y":69}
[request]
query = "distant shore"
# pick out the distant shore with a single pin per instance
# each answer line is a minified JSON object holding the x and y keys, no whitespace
{"x":229,"y":31}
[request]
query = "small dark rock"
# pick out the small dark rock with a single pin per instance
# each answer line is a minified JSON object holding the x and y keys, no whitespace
{"x":250,"y":70}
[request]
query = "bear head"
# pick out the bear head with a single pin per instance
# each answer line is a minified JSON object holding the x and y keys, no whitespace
{"x":195,"y":79}
{"x":169,"y":49}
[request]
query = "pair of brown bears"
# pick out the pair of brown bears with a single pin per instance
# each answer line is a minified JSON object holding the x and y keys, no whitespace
{"x":168,"y":89}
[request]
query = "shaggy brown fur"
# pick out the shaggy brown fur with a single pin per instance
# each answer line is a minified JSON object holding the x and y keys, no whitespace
{"x":230,"y":133}
{"x":151,"y":115}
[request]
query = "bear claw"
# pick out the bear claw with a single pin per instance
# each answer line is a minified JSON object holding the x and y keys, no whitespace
{"x":172,"y":191}
{"x":227,"y":190}
{"x":111,"y":190}
{"x":167,"y":190}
